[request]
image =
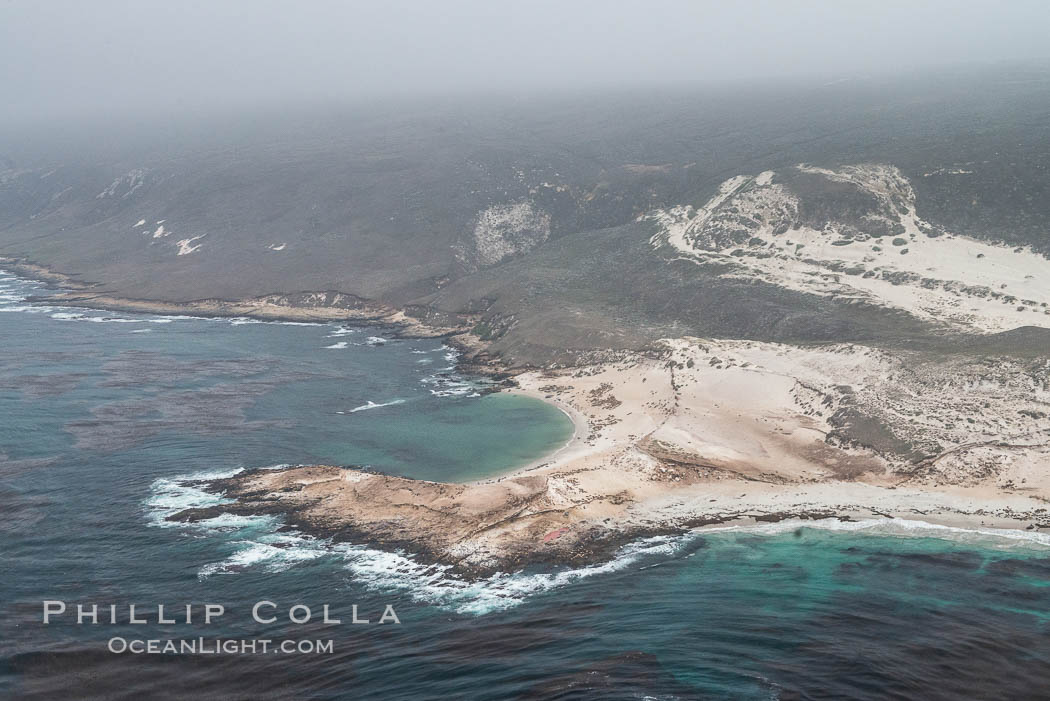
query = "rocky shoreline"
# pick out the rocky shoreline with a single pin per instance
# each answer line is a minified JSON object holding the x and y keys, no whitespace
{"x":284,"y":492}
{"x":687,"y":434}
{"x":306,"y":307}
{"x":666,"y":444}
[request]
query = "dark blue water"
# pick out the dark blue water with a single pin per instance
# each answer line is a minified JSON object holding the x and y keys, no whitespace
{"x":106,"y":418}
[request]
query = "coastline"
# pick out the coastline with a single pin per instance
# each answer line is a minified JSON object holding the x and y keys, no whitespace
{"x":305,"y":307}
{"x":669,"y":449}
{"x":700,"y":434}
{"x":278,"y":307}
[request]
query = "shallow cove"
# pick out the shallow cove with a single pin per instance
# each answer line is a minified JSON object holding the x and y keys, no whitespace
{"x":276,"y":392}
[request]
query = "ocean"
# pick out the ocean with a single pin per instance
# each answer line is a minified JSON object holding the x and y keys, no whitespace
{"x":107,"y":419}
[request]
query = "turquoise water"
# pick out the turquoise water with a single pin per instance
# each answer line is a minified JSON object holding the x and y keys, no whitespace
{"x":106,"y":419}
{"x":302,"y":393}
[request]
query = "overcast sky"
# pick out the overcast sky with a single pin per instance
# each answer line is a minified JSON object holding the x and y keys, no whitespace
{"x":89,"y":56}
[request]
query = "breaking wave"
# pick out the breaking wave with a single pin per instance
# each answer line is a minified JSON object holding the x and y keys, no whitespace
{"x":986,"y":537}
{"x":372,"y":405}
{"x":432,"y":584}
{"x":241,"y":320}
{"x":447,"y":382}
{"x":274,"y":552}
{"x":339,"y":345}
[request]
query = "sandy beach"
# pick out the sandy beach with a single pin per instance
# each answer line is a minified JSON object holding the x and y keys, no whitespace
{"x":692,"y":434}
{"x":574,"y":447}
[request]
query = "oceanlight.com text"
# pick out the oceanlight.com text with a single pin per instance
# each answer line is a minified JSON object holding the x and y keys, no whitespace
{"x":219,"y":646}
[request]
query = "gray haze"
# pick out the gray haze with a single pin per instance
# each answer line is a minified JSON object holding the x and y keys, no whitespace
{"x":102,"y":57}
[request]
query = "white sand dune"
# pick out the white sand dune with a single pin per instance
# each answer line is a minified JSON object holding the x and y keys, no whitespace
{"x":933,"y":274}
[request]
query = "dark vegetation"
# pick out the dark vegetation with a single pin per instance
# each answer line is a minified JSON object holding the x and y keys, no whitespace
{"x":372,"y":201}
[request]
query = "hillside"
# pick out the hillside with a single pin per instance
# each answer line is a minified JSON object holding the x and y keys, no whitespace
{"x":865,"y":210}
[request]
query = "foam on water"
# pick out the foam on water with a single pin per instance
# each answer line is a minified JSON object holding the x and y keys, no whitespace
{"x":76,"y":316}
{"x":170,"y":495}
{"x":987,"y":537}
{"x":13,"y":294}
{"x":258,"y":543}
{"x":432,"y":584}
{"x":274,"y":552}
{"x":448,"y":383}
{"x":339,"y":345}
{"x":241,"y":320}
{"x":374,"y":405}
